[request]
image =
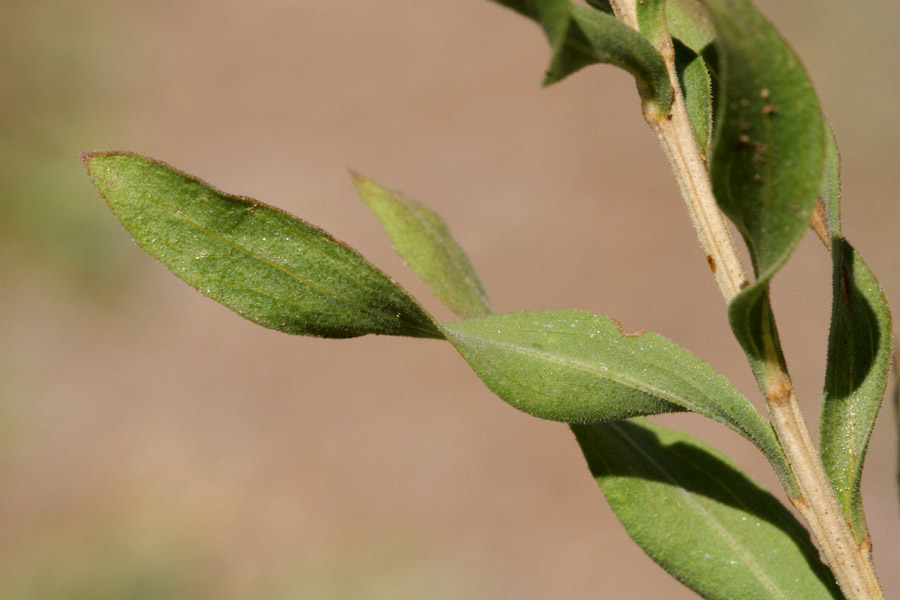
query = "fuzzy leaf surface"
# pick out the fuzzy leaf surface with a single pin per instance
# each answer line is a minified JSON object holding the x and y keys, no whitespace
{"x":859,"y":358}
{"x":651,"y":16}
{"x":700,"y":517}
{"x":582,"y":35}
{"x":266,"y":265}
{"x":577,"y":367}
{"x":766,"y":160}
{"x":690,"y":24}
{"x":422,"y":240}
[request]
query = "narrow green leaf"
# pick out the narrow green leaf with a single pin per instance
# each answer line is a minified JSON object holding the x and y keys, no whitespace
{"x":696,"y":87}
{"x":651,"y":16}
{"x":424,"y":243}
{"x":700,"y":518}
{"x":577,"y":367}
{"x":692,"y":34}
{"x":859,"y":358}
{"x":267,"y":266}
{"x":766,"y":161}
{"x":582,"y":36}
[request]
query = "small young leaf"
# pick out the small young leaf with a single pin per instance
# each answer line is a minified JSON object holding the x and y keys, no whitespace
{"x":267,"y":266}
{"x":582,"y":36}
{"x":422,"y":240}
{"x":696,"y":87}
{"x":577,"y":367}
{"x":859,"y":358}
{"x":700,"y":518}
{"x":651,"y":16}
{"x":692,"y":34}
{"x":766,"y":161}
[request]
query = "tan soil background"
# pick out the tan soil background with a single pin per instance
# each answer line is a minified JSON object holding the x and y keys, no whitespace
{"x":155,"y":445}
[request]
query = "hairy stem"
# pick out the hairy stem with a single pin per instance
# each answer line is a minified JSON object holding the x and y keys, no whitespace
{"x":850,"y":562}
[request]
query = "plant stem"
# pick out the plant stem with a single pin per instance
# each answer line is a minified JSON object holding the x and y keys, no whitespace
{"x":850,"y":562}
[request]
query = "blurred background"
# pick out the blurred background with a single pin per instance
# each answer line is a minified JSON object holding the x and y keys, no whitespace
{"x":155,"y":445}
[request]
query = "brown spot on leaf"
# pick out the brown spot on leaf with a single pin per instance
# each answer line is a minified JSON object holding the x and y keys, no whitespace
{"x":711,"y":262}
{"x":819,"y":224}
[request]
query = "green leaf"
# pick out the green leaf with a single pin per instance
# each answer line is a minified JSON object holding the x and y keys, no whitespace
{"x":769,"y":147}
{"x":859,"y":358}
{"x":766,"y":162}
{"x":582,"y":36}
{"x":700,"y":518}
{"x":555,"y":370}
{"x":651,"y":17}
{"x":696,"y":87}
{"x":267,"y":266}
{"x":690,"y":24}
{"x":424,"y":243}
{"x":692,"y":34}
{"x":577,"y":367}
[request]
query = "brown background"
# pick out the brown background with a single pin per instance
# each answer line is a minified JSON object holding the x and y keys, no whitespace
{"x":153,"y":444}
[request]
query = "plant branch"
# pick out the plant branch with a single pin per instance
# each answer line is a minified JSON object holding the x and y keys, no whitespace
{"x":625,"y":11}
{"x":850,"y":562}
{"x":673,"y":130}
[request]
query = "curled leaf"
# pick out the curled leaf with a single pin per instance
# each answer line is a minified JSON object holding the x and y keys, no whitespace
{"x":581,"y":36}
{"x":766,"y":160}
{"x":860,"y":346}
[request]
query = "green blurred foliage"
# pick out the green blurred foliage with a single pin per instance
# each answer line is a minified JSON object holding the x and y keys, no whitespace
{"x":53,"y":100}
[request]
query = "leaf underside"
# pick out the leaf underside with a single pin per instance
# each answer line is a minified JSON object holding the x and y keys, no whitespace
{"x":577,"y":367}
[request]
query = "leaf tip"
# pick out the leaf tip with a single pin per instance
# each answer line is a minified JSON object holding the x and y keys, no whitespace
{"x":361,"y":182}
{"x":93,"y":160}
{"x":88,"y":159}
{"x":369,"y":190}
{"x":550,"y":77}
{"x":358,"y":179}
